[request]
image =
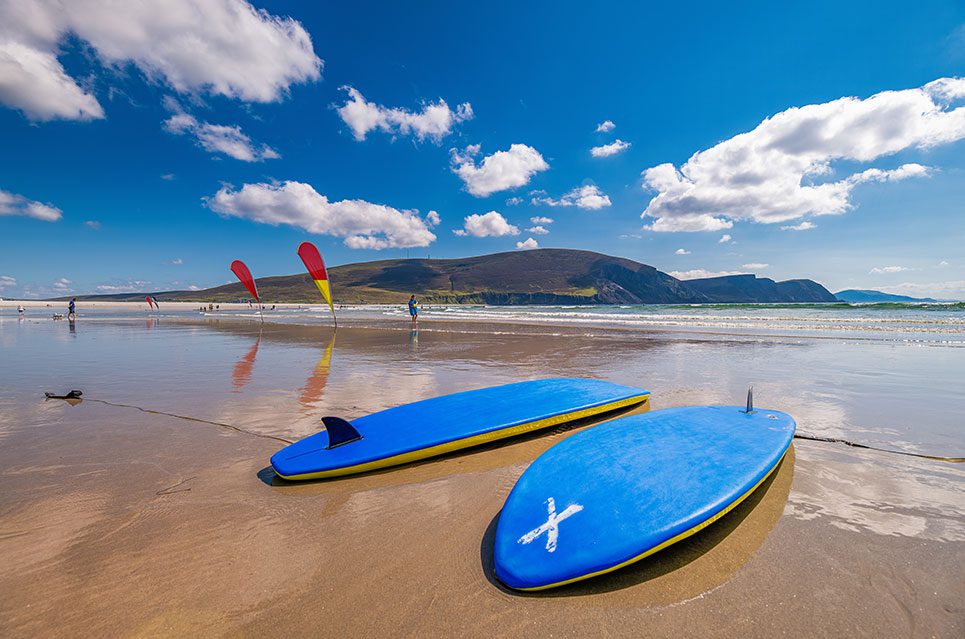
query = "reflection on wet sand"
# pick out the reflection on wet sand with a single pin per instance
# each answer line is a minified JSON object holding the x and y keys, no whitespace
{"x":315,"y":385}
{"x":241,"y":374}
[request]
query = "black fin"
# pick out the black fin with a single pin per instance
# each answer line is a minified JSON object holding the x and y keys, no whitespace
{"x":750,"y":400}
{"x":340,"y":432}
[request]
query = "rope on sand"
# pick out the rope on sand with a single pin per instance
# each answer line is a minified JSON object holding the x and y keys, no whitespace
{"x":191,"y":419}
{"x":836,"y":440}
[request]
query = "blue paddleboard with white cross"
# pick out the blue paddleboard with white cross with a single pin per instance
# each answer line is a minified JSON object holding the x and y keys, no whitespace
{"x":620,"y":491}
{"x":444,"y":424}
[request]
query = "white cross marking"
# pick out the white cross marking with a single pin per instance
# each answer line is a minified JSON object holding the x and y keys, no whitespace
{"x":552,"y":525}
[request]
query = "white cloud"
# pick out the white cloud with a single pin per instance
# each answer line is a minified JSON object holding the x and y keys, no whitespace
{"x":177,"y":261}
{"x":497,"y":172}
{"x":435,"y":121}
{"x":943,"y":263}
{"x":219,"y":47}
{"x":803,"y":226}
{"x":878,"y":270}
{"x":513,"y":201}
{"x":541,"y":220}
{"x":585,"y":197}
{"x":92,"y":224}
{"x":193,"y":287}
{"x":537,"y":230}
{"x":362,"y":224}
{"x":529,"y":244}
{"x":954,"y":289}
{"x":133,"y":286}
{"x":755,"y":266}
{"x":606,"y":150}
{"x":605,"y":127}
{"x":699,"y":273}
{"x":771,"y":174}
{"x":62,"y":284}
{"x":433,"y":219}
{"x":724,"y":239}
{"x":34,"y":82}
{"x":219,"y":138}
{"x":7,"y":281}
{"x":681,"y":251}
{"x":490,"y":224}
{"x":688,"y":223}
{"x":168,"y":177}
{"x":13,"y":204}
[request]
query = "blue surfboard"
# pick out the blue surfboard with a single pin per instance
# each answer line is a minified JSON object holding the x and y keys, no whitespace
{"x":621,"y":491}
{"x":443,"y":424}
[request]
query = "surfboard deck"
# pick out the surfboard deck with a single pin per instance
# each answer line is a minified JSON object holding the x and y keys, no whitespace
{"x":444,"y":424}
{"x":623,"y":490}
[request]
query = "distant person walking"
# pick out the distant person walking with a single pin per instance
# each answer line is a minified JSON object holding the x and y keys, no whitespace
{"x":414,"y":309}
{"x":20,"y":309}
{"x":72,"y":308}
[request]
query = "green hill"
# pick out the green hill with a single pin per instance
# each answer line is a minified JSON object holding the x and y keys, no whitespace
{"x":544,"y":276}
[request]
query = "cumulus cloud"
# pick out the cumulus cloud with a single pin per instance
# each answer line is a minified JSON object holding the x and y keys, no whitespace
{"x":435,"y":121}
{"x":219,"y":138}
{"x":62,"y":285}
{"x":92,"y":224}
{"x":585,"y":197}
{"x":539,"y":219}
{"x":513,"y":201}
{"x":879,"y":270}
{"x":605,"y":127}
{"x":530,"y":243}
{"x":773,"y":173}
{"x":699,"y":273}
{"x":177,"y":261}
{"x":491,"y":224}
{"x":681,"y":251}
{"x":433,"y":219}
{"x":7,"y":281}
{"x":755,"y":266}
{"x":606,"y":150}
{"x":724,"y":239}
{"x":219,"y":47}
{"x":803,"y":226}
{"x":13,"y":204}
{"x":497,"y":172}
{"x":362,"y":224}
{"x":537,"y":230}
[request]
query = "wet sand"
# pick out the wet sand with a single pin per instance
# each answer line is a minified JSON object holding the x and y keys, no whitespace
{"x":117,"y":522}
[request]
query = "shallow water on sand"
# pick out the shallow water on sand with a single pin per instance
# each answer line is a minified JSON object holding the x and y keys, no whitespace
{"x":117,"y":521}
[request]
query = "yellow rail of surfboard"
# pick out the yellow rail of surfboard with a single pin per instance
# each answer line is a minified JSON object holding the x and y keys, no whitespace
{"x":458,"y":444}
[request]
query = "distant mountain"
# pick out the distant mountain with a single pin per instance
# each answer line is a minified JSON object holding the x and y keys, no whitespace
{"x":750,"y":289}
{"x":864,"y":296}
{"x":543,"y":276}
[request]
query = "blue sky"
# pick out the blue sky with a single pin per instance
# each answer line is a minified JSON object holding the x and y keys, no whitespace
{"x":150,"y":161}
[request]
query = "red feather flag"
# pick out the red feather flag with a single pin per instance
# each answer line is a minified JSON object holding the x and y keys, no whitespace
{"x":150,"y":302}
{"x":244,"y":276}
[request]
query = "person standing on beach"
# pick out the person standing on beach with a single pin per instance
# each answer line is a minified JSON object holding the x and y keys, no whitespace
{"x":414,"y":309}
{"x":71,"y":307}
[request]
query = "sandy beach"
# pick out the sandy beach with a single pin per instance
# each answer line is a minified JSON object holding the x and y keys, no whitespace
{"x":120,"y":517}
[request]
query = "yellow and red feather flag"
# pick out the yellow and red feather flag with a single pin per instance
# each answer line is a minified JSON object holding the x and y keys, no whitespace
{"x":316,"y":269}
